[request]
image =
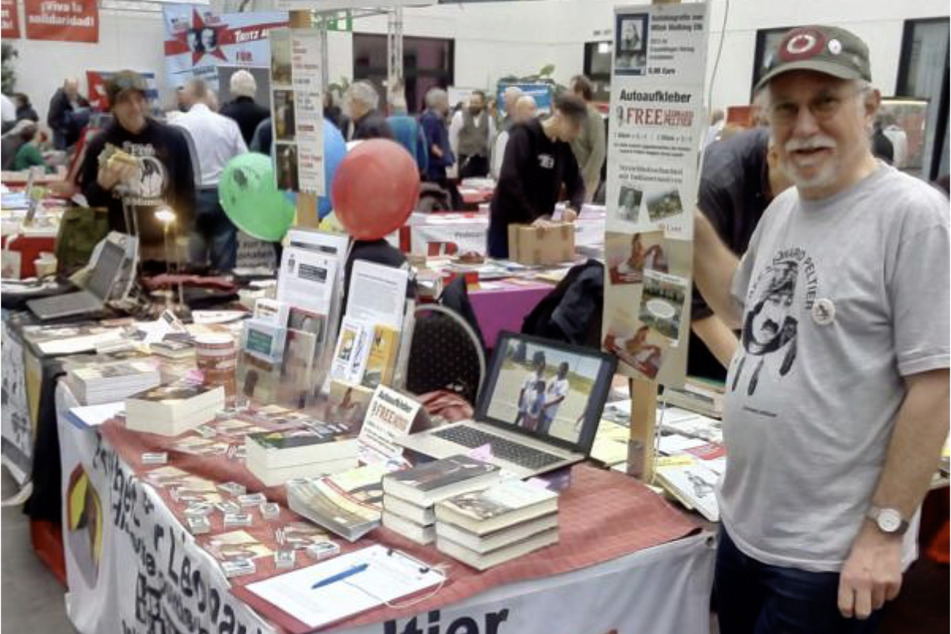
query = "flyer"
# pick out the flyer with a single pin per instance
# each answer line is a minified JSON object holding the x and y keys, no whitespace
{"x":390,"y":415}
{"x":297,"y":111}
{"x":657,"y":124}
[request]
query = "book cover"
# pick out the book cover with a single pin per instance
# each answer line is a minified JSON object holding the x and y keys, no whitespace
{"x":442,"y":473}
{"x":381,"y":360}
{"x":348,"y":503}
{"x":278,"y":440}
{"x":173,"y":392}
{"x":503,"y":498}
{"x":114,"y":370}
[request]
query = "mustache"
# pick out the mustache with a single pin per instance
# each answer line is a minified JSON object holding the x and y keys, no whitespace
{"x":812,"y":143}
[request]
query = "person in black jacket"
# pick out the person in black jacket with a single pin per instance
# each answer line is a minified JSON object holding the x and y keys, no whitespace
{"x":25,"y":109}
{"x":68,"y":114}
{"x":159,"y":174}
{"x":362,"y":118}
{"x":243,"y":109}
{"x":538,"y":160}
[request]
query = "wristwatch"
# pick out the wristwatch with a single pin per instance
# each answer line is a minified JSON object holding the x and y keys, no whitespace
{"x":888,"y":520}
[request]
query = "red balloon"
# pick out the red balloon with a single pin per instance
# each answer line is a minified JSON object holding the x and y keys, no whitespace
{"x":375,"y":189}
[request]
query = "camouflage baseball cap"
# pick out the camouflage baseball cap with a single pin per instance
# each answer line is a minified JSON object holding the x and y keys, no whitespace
{"x":824,"y":49}
{"x":122,"y":81}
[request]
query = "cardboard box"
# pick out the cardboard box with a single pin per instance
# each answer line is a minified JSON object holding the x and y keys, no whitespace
{"x":550,"y":244}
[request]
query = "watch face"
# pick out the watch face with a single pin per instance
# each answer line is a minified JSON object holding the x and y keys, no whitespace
{"x":889,"y":520}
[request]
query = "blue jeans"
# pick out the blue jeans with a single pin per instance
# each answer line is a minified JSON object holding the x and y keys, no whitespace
{"x":213,"y":237}
{"x":756,"y":598}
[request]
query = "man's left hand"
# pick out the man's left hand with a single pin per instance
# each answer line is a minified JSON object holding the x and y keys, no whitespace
{"x":569,"y":215}
{"x":872,"y":573}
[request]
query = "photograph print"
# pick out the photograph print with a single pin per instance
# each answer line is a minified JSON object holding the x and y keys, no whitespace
{"x":630,"y":43}
{"x":286,"y":154}
{"x":280,"y":57}
{"x":640,"y":349}
{"x":664,"y":205}
{"x":544,"y":389}
{"x":628,"y":255}
{"x":662,"y":302}
{"x":629,"y":203}
{"x":284,"y":117}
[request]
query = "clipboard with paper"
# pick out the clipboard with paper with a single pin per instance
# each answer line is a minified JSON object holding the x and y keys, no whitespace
{"x":342,"y":587}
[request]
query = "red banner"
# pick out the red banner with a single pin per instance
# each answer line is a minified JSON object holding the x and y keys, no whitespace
{"x":9,"y":19}
{"x":66,"y":20}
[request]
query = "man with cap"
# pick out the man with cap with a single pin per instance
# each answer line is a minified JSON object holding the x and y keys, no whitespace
{"x":138,"y":161}
{"x":837,"y":398}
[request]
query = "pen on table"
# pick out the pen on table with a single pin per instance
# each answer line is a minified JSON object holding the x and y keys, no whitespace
{"x":340,"y":576}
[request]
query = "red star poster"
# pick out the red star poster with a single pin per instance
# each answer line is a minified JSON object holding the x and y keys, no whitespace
{"x":197,"y":39}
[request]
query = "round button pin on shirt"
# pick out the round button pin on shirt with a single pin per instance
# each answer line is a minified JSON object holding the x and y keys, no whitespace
{"x":823,"y":311}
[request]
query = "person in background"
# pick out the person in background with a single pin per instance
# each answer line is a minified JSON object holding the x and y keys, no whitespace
{"x":332,"y":111}
{"x":538,"y":161}
{"x":243,"y":108}
{"x":362,"y":119}
{"x":407,"y":131}
{"x":181,"y":104}
{"x":898,"y":137}
{"x":160,"y":174}
{"x":9,"y":113}
{"x":216,"y":140}
{"x":29,"y":155}
{"x":739,"y":178}
{"x":68,"y":114}
{"x":471,"y":134}
{"x":523,"y":112}
{"x":263,"y":137}
{"x":25,"y":109}
{"x":591,"y":147}
{"x":837,"y":399}
{"x":716,"y":125}
{"x":510,"y":98}
{"x":441,"y":157}
{"x":881,"y":145}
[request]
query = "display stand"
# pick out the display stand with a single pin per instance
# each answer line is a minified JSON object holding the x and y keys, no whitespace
{"x":306,"y":203}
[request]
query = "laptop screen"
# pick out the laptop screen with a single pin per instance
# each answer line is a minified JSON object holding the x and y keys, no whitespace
{"x":106,"y":270}
{"x":552,"y":391}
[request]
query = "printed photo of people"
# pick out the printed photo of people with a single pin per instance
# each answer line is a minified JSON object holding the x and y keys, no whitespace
{"x":284,"y":120}
{"x":543,"y":389}
{"x":280,"y":57}
{"x":662,"y":302}
{"x":629,"y":255}
{"x":636,"y":345}
{"x":286,"y":166}
{"x":209,"y":39}
{"x":630,"y":44}
{"x":629,"y":203}
{"x":664,"y":205}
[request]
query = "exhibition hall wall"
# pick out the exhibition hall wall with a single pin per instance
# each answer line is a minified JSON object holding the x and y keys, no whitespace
{"x":499,"y":38}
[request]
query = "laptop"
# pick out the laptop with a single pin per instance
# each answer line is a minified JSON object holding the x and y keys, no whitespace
{"x":539,"y":408}
{"x":91,"y":299}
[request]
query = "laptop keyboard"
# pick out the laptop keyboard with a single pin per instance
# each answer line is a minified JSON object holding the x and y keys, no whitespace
{"x":71,"y":303}
{"x":502,"y":448}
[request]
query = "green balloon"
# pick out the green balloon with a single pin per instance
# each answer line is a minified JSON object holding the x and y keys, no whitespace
{"x":250,"y":197}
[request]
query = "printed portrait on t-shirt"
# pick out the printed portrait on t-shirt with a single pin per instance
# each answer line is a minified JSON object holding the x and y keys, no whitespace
{"x":770,"y":324}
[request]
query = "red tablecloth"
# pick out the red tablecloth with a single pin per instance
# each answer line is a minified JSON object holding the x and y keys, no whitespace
{"x":603,"y":515}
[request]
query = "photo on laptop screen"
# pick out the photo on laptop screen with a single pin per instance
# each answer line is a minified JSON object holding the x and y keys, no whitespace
{"x":548,"y":389}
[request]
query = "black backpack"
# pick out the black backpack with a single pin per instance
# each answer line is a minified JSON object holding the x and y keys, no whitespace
{"x":572,"y":312}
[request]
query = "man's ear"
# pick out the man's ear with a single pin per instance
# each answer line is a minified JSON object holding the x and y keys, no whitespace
{"x":873,"y":100}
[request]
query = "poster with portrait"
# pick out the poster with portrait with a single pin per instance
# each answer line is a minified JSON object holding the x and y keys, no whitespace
{"x":655,"y":133}
{"x":297,"y":109}
{"x":198,"y":40}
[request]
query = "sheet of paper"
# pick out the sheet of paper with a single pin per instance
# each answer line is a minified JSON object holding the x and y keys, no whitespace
{"x":307,"y":279}
{"x":675,"y":443}
{"x":390,"y":415}
{"x":389,"y":575}
{"x":73,"y":345}
{"x":377,"y":294}
{"x":95,"y":415}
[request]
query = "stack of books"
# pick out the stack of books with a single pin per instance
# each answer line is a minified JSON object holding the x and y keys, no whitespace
{"x":278,"y":456}
{"x":347,"y":503}
{"x":106,"y":383}
{"x":170,"y":410}
{"x":409,"y":496}
{"x":699,"y":395}
{"x":173,"y":349}
{"x":487,"y":528}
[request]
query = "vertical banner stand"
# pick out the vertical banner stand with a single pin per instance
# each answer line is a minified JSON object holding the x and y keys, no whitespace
{"x":640,"y":443}
{"x":306,"y":203}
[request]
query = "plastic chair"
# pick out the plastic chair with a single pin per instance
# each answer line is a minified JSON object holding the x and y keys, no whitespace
{"x":445,"y":354}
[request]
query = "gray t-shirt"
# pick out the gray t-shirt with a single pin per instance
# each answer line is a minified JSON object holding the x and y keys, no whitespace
{"x":841,"y":298}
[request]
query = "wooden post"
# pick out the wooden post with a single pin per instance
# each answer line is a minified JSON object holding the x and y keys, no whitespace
{"x":306,"y":203}
{"x":640,"y":444}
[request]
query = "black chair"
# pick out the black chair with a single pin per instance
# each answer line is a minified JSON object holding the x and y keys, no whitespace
{"x":445,"y":354}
